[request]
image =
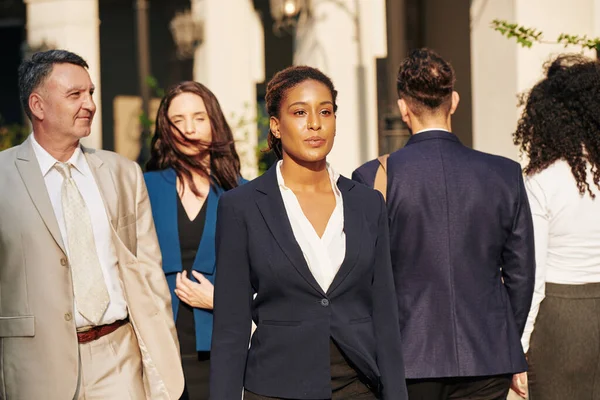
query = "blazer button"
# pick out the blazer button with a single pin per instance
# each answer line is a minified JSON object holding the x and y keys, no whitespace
{"x":63,"y":262}
{"x":324,"y":302}
{"x":68,"y":316}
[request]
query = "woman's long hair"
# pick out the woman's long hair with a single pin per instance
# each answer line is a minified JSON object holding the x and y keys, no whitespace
{"x":224,"y":168}
{"x":561,"y":119}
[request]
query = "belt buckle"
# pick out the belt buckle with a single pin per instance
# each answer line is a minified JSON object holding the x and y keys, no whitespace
{"x":95,"y":333}
{"x":85,"y":328}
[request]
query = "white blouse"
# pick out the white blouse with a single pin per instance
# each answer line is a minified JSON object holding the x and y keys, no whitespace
{"x":324,"y":255}
{"x":567,"y":233}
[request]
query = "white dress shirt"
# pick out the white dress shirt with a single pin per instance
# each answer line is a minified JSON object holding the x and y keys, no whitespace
{"x":431,"y":129}
{"x":324,"y":255}
{"x":82,"y":175}
{"x":567,"y":233}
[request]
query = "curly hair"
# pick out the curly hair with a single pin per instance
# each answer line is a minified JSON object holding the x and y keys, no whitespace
{"x":426,"y":81}
{"x":224,"y":161}
{"x":278,"y":87}
{"x":561,"y":119}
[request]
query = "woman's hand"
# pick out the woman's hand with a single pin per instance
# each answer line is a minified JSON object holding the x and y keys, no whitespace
{"x":198,"y":295}
{"x":519,"y":384}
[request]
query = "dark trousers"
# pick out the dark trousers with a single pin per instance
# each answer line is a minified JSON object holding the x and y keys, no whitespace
{"x":346,"y":382}
{"x":196,"y":370}
{"x":472,"y":388}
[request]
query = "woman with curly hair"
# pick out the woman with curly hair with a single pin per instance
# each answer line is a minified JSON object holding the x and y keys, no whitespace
{"x":559,"y":131}
{"x":193,"y":162}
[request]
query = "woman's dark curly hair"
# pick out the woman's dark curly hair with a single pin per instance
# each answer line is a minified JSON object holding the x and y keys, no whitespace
{"x":224,"y":161}
{"x":561,"y":119}
{"x":278,"y":87}
{"x":426,"y":81}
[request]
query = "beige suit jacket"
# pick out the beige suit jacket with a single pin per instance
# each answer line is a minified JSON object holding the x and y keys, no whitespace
{"x":38,"y":342}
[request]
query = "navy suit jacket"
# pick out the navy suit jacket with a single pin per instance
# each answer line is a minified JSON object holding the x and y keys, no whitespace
{"x":162,"y":190}
{"x":462,"y":250}
{"x":257,"y":253}
{"x":366,"y":173}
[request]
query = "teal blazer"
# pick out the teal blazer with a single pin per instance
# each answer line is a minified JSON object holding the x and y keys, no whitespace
{"x":162,"y":190}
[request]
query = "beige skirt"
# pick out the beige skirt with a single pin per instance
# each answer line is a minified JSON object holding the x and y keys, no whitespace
{"x":564,"y":354}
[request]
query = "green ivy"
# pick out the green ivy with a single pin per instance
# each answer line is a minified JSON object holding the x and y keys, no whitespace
{"x":526,"y":37}
{"x":12,"y":134}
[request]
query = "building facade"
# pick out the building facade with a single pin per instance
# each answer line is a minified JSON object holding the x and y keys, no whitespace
{"x":358,"y":43}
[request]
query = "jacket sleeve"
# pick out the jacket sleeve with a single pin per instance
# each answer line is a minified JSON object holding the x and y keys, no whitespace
{"x":518,"y":256}
{"x":232,"y":305}
{"x":149,"y":255}
{"x":149,"y":268}
{"x":385,"y":315}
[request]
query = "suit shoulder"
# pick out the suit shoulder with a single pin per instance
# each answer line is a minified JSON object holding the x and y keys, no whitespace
{"x":112,"y":158}
{"x":8,"y":154}
{"x":240,"y":193}
{"x":368,"y":167}
{"x":496,"y":160}
{"x":153,"y":177}
{"x":365,"y":193}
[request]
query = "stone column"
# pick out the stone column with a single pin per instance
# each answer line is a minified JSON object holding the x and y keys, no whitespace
{"x":230,"y":62}
{"x":502,"y":69}
{"x":70,"y":25}
{"x":343,"y":38}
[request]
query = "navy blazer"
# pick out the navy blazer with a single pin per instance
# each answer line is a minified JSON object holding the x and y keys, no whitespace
{"x":257,"y":253}
{"x":162,"y":190}
{"x":462,"y":250}
{"x":366,"y":173}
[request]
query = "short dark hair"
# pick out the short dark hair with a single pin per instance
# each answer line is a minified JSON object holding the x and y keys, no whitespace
{"x":279,"y":85}
{"x":426,"y":81}
{"x":34,"y":71}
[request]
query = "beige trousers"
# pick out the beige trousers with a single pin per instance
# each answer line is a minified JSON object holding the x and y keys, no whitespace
{"x":111,"y":367}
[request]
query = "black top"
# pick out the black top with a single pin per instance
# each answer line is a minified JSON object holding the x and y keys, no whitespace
{"x":190,"y":234}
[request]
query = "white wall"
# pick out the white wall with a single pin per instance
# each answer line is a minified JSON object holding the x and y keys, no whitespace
{"x":230,"y":62}
{"x":501,"y":69}
{"x":70,"y":25}
{"x":328,"y":42}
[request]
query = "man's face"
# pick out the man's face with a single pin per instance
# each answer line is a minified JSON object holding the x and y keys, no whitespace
{"x":67,"y":107}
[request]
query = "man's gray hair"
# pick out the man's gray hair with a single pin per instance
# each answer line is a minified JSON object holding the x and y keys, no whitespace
{"x":34,"y":71}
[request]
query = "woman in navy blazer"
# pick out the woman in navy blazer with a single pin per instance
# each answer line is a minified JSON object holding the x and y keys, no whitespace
{"x":304,"y":253}
{"x":193,"y":162}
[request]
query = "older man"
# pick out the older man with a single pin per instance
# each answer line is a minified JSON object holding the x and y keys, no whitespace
{"x":85,"y":310}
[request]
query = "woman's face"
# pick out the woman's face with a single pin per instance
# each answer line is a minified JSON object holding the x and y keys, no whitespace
{"x":306,"y":123}
{"x":187,"y":113}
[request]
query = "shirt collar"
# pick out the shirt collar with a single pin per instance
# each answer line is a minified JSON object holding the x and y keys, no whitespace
{"x":46,"y":161}
{"x":333,"y":176}
{"x":432,"y":129}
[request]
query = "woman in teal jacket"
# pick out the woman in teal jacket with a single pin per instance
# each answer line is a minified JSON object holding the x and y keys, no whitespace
{"x":193,"y":161}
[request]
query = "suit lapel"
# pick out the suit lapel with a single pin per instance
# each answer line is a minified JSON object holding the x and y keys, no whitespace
{"x":270,"y":204}
{"x":106,"y":184}
{"x":31,"y":174}
{"x":353,"y":228}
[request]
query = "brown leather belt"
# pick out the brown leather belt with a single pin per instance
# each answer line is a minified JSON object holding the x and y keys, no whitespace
{"x":96,"y":332}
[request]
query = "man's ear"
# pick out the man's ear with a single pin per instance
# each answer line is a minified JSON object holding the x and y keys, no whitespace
{"x":274,"y":126}
{"x":404,"y":113}
{"x":455,"y":101}
{"x":36,"y":105}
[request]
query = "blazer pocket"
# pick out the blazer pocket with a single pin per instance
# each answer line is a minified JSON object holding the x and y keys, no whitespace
{"x":280,"y":323}
{"x":360,"y":320}
{"x":125,"y":221}
{"x":17,"y":326}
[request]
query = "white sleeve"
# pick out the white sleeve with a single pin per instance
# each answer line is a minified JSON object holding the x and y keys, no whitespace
{"x":539,"y":211}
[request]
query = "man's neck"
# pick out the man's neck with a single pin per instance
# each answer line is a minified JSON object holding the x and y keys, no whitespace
{"x":60,"y":150}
